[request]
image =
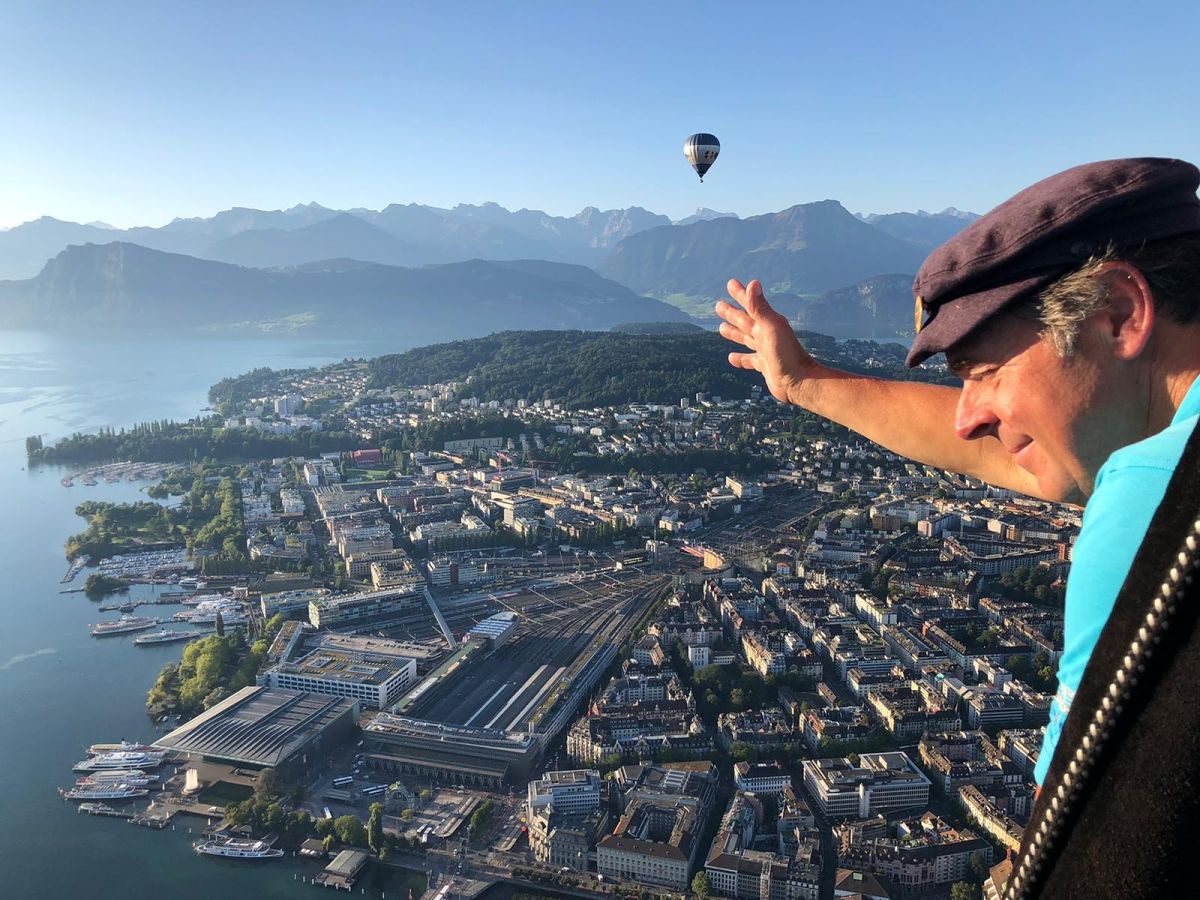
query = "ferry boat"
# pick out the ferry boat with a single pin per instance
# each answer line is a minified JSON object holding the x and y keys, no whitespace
{"x":105,"y":792}
{"x":164,"y":637}
{"x":132,"y":760}
{"x":207,"y":615}
{"x":238,"y":848}
{"x":122,"y":747}
{"x":190,"y":583}
{"x":123,"y":625}
{"x":114,"y":775}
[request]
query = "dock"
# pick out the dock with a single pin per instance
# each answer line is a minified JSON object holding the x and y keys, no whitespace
{"x":103,"y":809}
{"x":345,"y":868}
{"x":75,"y":568}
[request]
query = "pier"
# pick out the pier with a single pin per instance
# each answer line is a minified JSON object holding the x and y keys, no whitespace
{"x":75,"y":568}
{"x":103,"y":809}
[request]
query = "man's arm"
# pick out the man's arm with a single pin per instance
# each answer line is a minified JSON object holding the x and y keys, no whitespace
{"x":911,"y":419}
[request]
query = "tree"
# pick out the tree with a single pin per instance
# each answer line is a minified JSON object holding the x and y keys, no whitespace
{"x":375,"y":839}
{"x":219,"y":626}
{"x":701,"y":886}
{"x":963,"y":890}
{"x":978,"y":868}
{"x":266,"y":786}
{"x":350,"y":830}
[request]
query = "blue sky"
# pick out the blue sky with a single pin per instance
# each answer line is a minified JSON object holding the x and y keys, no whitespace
{"x":134,"y":113}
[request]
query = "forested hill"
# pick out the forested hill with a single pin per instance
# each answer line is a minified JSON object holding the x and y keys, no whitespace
{"x":600,"y":369}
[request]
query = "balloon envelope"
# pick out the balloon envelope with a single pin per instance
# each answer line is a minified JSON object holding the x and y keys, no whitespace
{"x":701,"y":151}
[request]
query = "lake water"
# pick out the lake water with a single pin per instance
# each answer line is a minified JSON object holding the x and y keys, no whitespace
{"x":61,"y":689}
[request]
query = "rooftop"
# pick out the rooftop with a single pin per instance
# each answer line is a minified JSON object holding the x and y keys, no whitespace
{"x":258,"y":726}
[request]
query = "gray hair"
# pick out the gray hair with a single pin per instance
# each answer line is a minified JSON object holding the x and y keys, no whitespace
{"x":1171,"y":269}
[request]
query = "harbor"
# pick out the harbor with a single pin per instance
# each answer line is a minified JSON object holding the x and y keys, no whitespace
{"x":117,"y":472}
{"x":64,"y":689}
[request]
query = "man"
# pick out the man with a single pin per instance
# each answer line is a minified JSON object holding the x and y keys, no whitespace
{"x":1071,"y":312}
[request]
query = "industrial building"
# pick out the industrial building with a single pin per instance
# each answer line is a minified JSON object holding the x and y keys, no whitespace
{"x":265,"y":727}
{"x":454,"y":754}
{"x":367,"y":609}
{"x":376,"y":680}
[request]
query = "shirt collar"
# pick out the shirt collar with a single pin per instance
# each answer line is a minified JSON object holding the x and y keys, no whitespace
{"x":1190,"y":405}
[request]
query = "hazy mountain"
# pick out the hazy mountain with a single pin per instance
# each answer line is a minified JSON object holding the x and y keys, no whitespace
{"x":603,"y":229}
{"x":704,"y":214}
{"x":25,"y":248}
{"x":428,"y":235}
{"x":807,"y":249}
{"x":343,"y":235}
{"x":133,"y":288}
{"x":879,"y":308}
{"x":446,"y":235}
{"x":921,"y":229}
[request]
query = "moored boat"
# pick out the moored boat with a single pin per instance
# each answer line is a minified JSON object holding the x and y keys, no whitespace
{"x":135,"y":777}
{"x":238,"y":848}
{"x":123,"y":625}
{"x":166,"y":637}
{"x":105,"y":792}
{"x":121,"y":747}
{"x":120,"y":761}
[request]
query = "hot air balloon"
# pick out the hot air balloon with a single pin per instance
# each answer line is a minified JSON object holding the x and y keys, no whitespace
{"x":701,"y":151}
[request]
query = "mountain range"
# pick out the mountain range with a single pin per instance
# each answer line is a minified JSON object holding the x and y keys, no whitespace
{"x":408,"y":235}
{"x":130,"y":287}
{"x":825,"y":268}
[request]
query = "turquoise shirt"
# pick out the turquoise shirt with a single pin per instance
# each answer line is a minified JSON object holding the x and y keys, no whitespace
{"x":1129,"y":488}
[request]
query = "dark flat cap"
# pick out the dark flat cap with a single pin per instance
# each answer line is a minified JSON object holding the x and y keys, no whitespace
{"x":1043,"y":233}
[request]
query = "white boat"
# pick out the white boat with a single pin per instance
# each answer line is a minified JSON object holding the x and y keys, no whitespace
{"x":114,"y":775}
{"x":118,"y":776}
{"x":165,"y":637}
{"x":206,"y":612}
{"x":121,"y":747}
{"x":120,"y":761}
{"x":123,"y":625}
{"x":105,"y":792}
{"x":238,"y":848}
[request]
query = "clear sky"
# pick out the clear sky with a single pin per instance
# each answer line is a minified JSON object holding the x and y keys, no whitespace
{"x":134,"y":113}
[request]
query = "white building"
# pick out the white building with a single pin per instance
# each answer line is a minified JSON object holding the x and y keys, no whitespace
{"x":288,"y":404}
{"x":881,"y":782}
{"x":572,"y":791}
{"x":761,"y":778}
{"x":375,"y":681}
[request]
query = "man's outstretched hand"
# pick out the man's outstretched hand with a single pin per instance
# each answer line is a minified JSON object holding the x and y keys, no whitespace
{"x":775,"y":350}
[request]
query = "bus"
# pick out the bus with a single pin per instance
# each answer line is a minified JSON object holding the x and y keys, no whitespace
{"x":343,"y":780}
{"x":373,"y":791}
{"x":328,"y":813}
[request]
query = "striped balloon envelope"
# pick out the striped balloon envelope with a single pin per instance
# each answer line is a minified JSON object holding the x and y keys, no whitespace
{"x":701,"y":151}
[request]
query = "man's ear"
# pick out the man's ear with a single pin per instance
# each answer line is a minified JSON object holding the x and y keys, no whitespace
{"x":1129,"y":320}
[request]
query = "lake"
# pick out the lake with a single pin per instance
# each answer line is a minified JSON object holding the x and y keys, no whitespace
{"x":61,"y":689}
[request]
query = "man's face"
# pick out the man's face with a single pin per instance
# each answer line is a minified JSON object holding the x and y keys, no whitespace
{"x":1060,"y":419}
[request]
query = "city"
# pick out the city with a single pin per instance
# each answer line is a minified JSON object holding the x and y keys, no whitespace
{"x":826,"y":678}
